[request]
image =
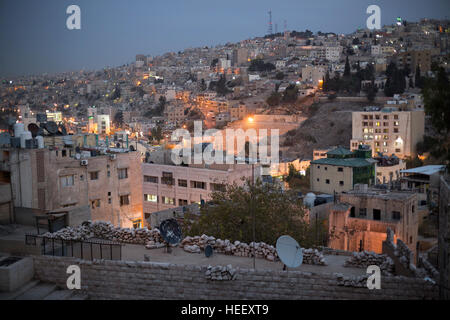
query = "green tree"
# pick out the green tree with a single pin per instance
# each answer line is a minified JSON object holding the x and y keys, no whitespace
{"x":156,"y":134}
{"x":347,"y":68}
{"x":274,"y":99}
{"x":290,"y":94}
{"x":230,"y":213}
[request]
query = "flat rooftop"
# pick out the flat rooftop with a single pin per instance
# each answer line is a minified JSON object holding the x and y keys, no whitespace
{"x":132,"y":252}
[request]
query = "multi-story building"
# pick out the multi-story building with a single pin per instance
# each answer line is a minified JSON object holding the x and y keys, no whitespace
{"x":388,"y":131}
{"x":414,"y":58}
{"x":362,"y":216}
{"x":388,"y":169}
{"x":333,"y":54}
{"x":103,"y":124}
{"x":313,"y":74}
{"x":169,"y":186}
{"x":341,"y":170}
{"x":51,"y":179}
{"x":240,"y":56}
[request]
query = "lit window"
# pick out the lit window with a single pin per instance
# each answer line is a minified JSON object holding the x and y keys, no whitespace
{"x":150,"y":198}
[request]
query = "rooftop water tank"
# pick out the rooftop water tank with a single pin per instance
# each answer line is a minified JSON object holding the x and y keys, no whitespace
{"x":26,"y":135}
{"x":40,"y":142}
{"x":309,"y":199}
{"x":19,"y":128}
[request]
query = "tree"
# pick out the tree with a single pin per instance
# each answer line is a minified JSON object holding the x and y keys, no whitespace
{"x":156,"y":133}
{"x":274,"y":99}
{"x":347,"y":68}
{"x":290,"y":94}
{"x":230,"y":213}
{"x":418,"y":79}
{"x":118,"y":119}
{"x":436,"y":95}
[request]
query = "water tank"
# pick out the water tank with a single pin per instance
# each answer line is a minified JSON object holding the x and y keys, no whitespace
{"x":309,"y":199}
{"x":40,"y":142}
{"x":26,"y":135}
{"x":19,"y":128}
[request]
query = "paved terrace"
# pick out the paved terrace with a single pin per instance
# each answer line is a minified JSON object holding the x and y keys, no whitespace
{"x":132,"y":252}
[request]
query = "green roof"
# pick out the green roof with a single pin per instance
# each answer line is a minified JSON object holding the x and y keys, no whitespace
{"x":347,"y":162}
{"x":340,"y":152}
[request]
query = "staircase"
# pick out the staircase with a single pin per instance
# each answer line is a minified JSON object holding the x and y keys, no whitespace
{"x":37,"y":290}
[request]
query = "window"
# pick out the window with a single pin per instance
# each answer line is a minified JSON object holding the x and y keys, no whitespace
{"x":95,"y":203}
{"x":198,"y":185}
{"x":94,"y":175}
{"x":67,"y":181}
{"x":64,"y":153}
{"x":326,"y":168}
{"x":395,"y":130}
{"x":182,"y":202}
{"x":376,"y":214}
{"x":352,"y":212}
{"x":123,"y":173}
{"x":318,"y":179}
{"x":168,"y":200}
{"x":150,"y":198}
{"x":182,"y":183}
{"x":362,"y":212}
{"x":396,"y":123}
{"x":167,"y":178}
{"x":151,"y":179}
{"x":327,"y":181}
{"x":137,"y":223}
{"x":341,"y":183}
{"x":217,"y":187}
{"x":395,"y":215}
{"x":124,"y":200}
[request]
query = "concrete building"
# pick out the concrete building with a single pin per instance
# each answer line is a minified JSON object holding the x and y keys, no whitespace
{"x":168,"y":186}
{"x":313,"y":74}
{"x":360,"y":219}
{"x":111,"y":184}
{"x":103,"y":124}
{"x":388,"y":131}
{"x":414,"y":58}
{"x":388,"y":169}
{"x":239,"y":57}
{"x":333,"y":54}
{"x":341,"y":170}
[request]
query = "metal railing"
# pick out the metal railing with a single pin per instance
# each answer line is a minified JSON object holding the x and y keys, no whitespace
{"x":82,"y":249}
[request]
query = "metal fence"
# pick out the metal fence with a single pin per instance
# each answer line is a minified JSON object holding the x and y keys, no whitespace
{"x":82,"y":249}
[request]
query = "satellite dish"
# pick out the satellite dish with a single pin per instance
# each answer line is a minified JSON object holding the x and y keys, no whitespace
{"x":170,"y":231}
{"x":34,"y":129}
{"x":289,"y":251}
{"x":78,"y":156}
{"x":51,"y":127}
{"x":208,"y":251}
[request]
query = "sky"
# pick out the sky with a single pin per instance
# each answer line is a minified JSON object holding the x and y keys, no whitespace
{"x":34,"y":38}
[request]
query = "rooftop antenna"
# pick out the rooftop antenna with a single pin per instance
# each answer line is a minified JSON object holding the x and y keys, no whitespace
{"x":285,"y":25}
{"x":269,"y":31}
{"x":289,"y":251}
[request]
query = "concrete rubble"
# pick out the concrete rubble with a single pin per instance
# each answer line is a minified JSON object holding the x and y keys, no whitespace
{"x":364,"y":259}
{"x":221,"y":273}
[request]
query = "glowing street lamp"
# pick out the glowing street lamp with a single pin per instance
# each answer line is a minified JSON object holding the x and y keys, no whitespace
{"x":250,"y":119}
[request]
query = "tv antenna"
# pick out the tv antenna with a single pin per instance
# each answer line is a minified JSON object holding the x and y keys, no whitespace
{"x":289,"y":251}
{"x":270,"y":23}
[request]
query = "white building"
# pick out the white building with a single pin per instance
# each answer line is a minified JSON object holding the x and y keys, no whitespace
{"x":333,"y":54}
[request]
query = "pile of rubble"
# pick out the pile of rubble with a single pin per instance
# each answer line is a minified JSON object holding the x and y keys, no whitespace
{"x":262,"y":250}
{"x":107,"y":231}
{"x":221,"y":273}
{"x":237,"y":248}
{"x":364,"y":259}
{"x":313,"y":256}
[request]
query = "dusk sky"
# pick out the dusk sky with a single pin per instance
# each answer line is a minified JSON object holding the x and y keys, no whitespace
{"x":34,"y":38}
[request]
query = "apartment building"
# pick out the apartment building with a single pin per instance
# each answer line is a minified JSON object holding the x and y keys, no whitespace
{"x":388,"y":131}
{"x":414,"y":58}
{"x":388,"y":169}
{"x":51,"y":179}
{"x":362,"y":216}
{"x":103,"y":124}
{"x":341,"y":170}
{"x":312,"y":74}
{"x":168,"y":186}
{"x":175,"y":113}
{"x":333,"y":54}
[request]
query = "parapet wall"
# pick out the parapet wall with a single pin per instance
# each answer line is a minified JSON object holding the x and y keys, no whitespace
{"x":104,"y":279}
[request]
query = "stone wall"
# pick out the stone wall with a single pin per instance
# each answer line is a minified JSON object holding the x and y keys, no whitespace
{"x":102,"y":279}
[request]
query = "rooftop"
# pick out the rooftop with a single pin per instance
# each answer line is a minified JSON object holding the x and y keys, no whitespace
{"x":425,"y":170}
{"x":348,"y":162}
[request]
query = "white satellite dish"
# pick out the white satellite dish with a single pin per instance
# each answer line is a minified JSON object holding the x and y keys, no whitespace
{"x":289,"y":251}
